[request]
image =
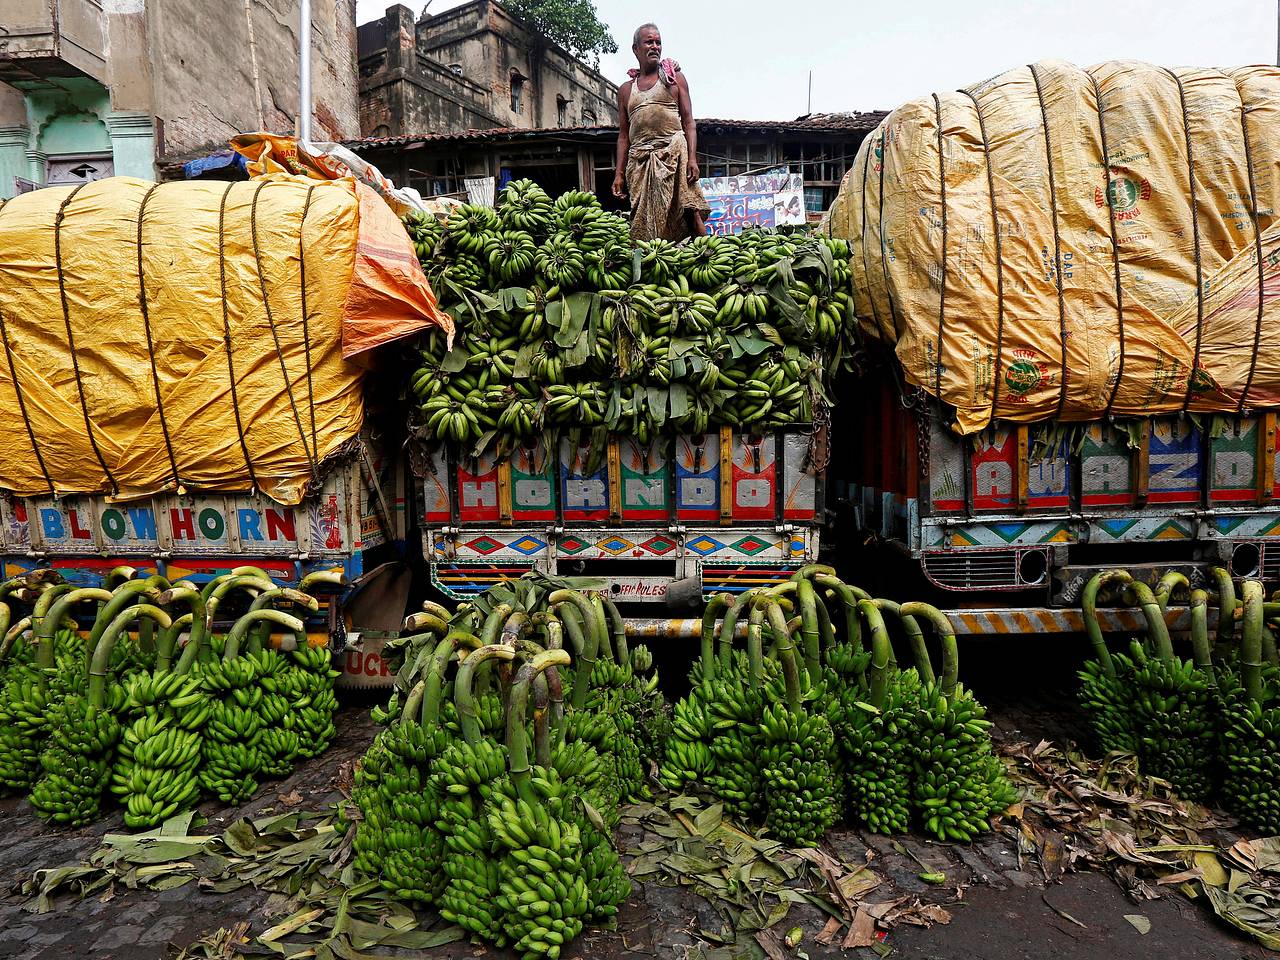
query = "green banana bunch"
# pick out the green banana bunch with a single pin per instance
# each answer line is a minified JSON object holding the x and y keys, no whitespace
{"x":157,"y":770}
{"x":1250,"y":749}
{"x":581,"y":404}
{"x":523,"y":205}
{"x":659,"y":261}
{"x":280,"y":743}
{"x":1172,"y":713}
{"x":466,"y":776}
{"x":425,"y":231}
{"x":312,"y":700}
{"x":800,"y":793}
{"x":688,"y":756}
{"x":466,"y":269}
{"x":707,"y":261}
{"x":76,"y":761}
{"x":561,"y":263}
{"x":740,"y":301}
{"x":685,"y":311}
{"x":573,"y":199}
{"x":230,"y":750}
{"x":510,"y":255}
{"x":958,"y":782}
{"x":609,"y":266}
{"x":876,"y":750}
{"x":470,"y":226}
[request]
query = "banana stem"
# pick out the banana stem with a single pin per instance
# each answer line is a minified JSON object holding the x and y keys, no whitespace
{"x":881,"y":652}
{"x":243,"y":581}
{"x":849,"y":597}
{"x":826,"y":629}
{"x":439,"y":666}
{"x":199,"y":632}
{"x":786,"y":651}
{"x":541,"y":726}
{"x":570,"y":614}
{"x":600,"y":626}
{"x":755,"y":644}
{"x":1200,"y":649}
{"x":807,"y":601}
{"x":1157,"y":629}
{"x":118,"y":575}
{"x":463,"y":698}
{"x":241,"y":627}
{"x":15,"y":631}
{"x":106,"y":644}
{"x":55,"y":613}
{"x":517,"y":710}
{"x":44,"y":656}
{"x":413,"y":702}
{"x":915,"y":637}
{"x":516,"y":627}
{"x":169,"y":640}
{"x":946,"y":633}
{"x":1088,"y":612}
{"x":1251,"y":640}
{"x":715,"y":606}
{"x":286,"y":594}
{"x":436,"y":610}
{"x":321,"y":578}
{"x":6,"y":614}
{"x":730,"y":625}
{"x":493,"y":624}
{"x":619,"y":628}
{"x":1226,"y":602}
{"x":418,"y":622}
{"x":1169,"y":583}
{"x":811,"y":570}
{"x":1269,"y":653}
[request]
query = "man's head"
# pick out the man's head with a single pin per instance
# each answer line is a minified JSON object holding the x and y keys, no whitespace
{"x":646,"y":44}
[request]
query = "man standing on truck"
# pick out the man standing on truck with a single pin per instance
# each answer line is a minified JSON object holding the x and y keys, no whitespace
{"x":657,"y":162}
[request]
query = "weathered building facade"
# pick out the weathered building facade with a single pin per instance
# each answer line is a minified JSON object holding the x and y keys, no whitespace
{"x":475,"y":66}
{"x":820,"y":148}
{"x":90,"y":89}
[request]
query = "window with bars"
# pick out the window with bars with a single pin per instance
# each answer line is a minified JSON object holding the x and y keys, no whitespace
{"x":440,"y":176}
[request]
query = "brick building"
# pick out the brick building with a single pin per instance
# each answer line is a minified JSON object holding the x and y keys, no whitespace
{"x":475,"y":66}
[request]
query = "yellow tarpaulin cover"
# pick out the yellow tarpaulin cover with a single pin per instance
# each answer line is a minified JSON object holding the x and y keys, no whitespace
{"x":190,"y":335}
{"x":1020,"y":275}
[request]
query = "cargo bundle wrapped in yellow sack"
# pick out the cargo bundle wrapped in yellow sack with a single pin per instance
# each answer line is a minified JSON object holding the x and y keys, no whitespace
{"x":1019,"y":275}
{"x":194,"y":336}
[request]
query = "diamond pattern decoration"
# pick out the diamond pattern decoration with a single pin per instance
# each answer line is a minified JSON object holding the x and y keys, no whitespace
{"x":528,"y":545}
{"x":484,"y":545}
{"x":658,"y":545}
{"x":750,"y":546}
{"x":571,"y":545}
{"x":705,"y":545}
{"x":615,"y":545}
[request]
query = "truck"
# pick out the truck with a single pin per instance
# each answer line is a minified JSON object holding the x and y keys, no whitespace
{"x":1004,"y":529}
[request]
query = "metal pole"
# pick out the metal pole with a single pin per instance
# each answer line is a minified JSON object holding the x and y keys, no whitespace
{"x":1278,"y":33}
{"x":304,"y":70}
{"x":809,"y":108}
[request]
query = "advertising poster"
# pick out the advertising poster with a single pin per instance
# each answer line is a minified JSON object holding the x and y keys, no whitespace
{"x":770,"y":199}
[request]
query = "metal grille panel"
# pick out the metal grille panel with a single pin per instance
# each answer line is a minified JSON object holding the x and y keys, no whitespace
{"x":973,"y":569}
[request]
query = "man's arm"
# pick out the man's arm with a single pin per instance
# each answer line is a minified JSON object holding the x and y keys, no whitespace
{"x":624,"y":143}
{"x":690,"y":127}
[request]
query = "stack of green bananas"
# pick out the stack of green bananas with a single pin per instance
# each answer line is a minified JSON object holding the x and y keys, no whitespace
{"x":688,"y":758}
{"x":736,"y":703}
{"x":744,"y":331}
{"x":877,"y":755}
{"x":648,"y":707}
{"x":280,"y":744}
{"x":1106,"y":687}
{"x":1249,"y":702}
{"x":800,"y":792}
{"x":156,"y":773}
{"x":465,"y":776}
{"x":76,"y":761}
{"x":959,"y":783}
{"x":231,"y":758}
{"x":542,"y":888}
{"x":1174,"y":718}
{"x":309,"y":687}
{"x":25,"y":703}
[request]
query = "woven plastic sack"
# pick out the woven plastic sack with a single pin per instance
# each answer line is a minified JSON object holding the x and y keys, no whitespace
{"x":1020,"y":276}
{"x":190,"y":335}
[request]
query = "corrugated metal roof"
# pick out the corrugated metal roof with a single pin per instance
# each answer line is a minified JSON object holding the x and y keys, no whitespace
{"x":817,"y":123}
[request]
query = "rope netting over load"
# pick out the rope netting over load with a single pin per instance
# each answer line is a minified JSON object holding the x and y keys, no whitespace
{"x":1070,"y":243}
{"x":194,"y":336}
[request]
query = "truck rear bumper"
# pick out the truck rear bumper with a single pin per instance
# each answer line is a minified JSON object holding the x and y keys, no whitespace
{"x":1014,"y":621}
